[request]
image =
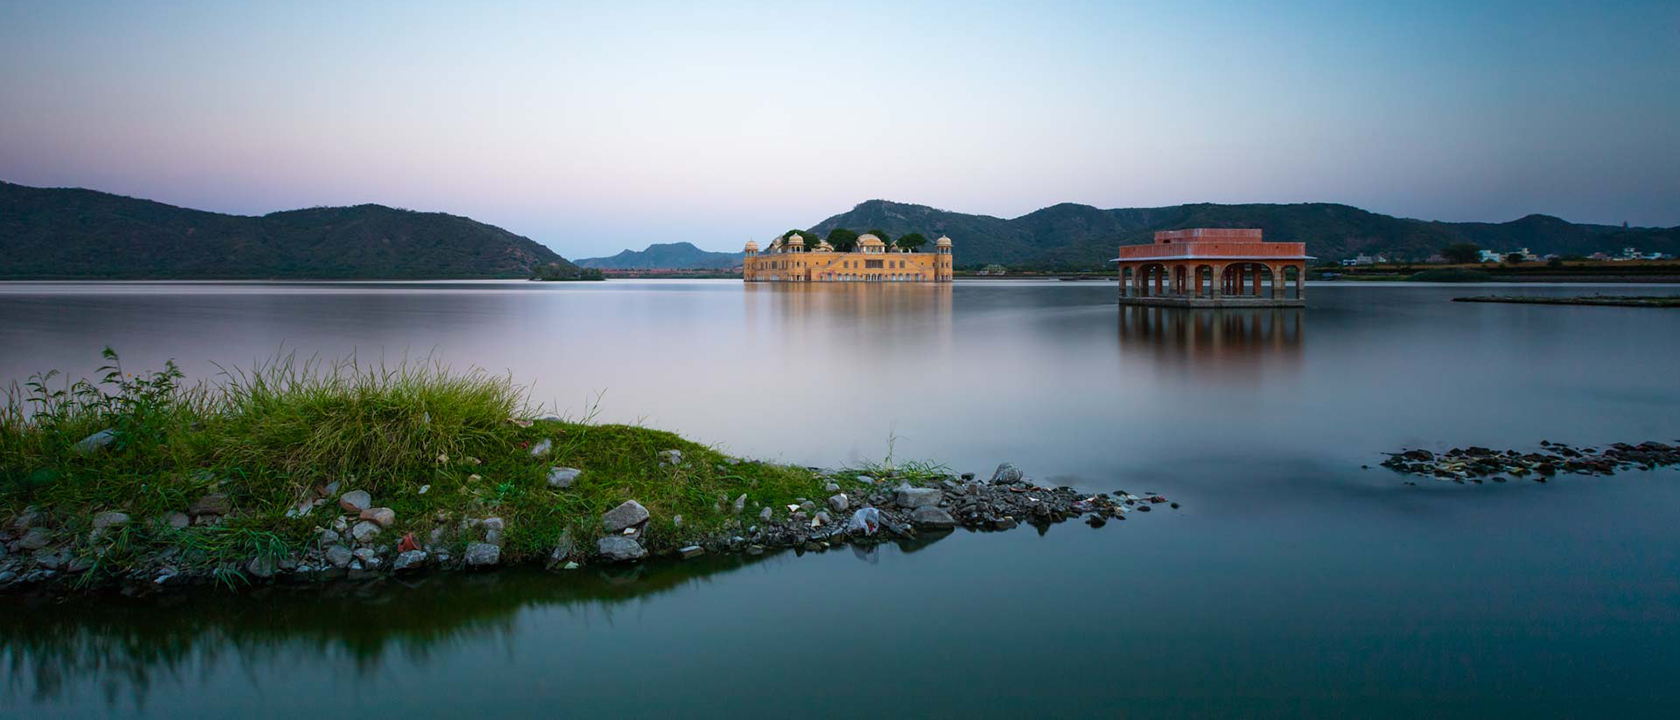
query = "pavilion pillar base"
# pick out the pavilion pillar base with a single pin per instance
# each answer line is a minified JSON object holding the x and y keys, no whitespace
{"x":1212,"y":302}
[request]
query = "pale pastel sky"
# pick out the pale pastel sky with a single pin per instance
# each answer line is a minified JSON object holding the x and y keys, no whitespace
{"x":596,"y":126}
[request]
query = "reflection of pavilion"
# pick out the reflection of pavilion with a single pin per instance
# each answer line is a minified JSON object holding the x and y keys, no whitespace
{"x":1213,"y":267}
{"x":1226,"y":335}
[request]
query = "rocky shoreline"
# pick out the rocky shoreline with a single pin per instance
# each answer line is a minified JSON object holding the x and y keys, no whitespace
{"x":1478,"y":464}
{"x":41,"y":557}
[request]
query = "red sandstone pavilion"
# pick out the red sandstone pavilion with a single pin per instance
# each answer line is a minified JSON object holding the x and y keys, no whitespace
{"x":1213,"y":267}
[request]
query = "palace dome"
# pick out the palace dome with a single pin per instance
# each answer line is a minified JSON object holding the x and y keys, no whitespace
{"x":794,"y":239}
{"x":942,"y":242}
{"x":752,"y":246}
{"x":870,"y":239}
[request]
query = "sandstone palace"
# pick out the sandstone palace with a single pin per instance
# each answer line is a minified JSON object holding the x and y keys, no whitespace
{"x":788,"y":260}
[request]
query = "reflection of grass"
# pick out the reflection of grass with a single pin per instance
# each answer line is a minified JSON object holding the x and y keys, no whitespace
{"x":270,"y":437}
{"x":134,"y":643}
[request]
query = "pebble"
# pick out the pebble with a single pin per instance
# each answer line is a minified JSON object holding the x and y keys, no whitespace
{"x":355,"y":501}
{"x":383,"y":516}
{"x":562,"y":477}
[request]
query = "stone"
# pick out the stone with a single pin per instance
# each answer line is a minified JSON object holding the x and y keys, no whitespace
{"x":617,"y":548}
{"x":839,"y":502}
{"x":542,"y":448}
{"x":1006,"y":474}
{"x":676,"y":521}
{"x":364,"y":554}
{"x":691,"y":551}
{"x":327,"y":537}
{"x":35,"y":539}
{"x":670,"y":457}
{"x":211,"y":504}
{"x":563,"y":549}
{"x":330,"y":489}
{"x":109,"y":519}
{"x":410,"y":560}
{"x":96,"y":442}
{"x":263,"y":566}
{"x":932,"y":518}
{"x":494,"y":529}
{"x":562,"y":477}
{"x":915,"y":497}
{"x":823,"y":518}
{"x":482,"y":555}
{"x":1004,"y":523}
{"x":765,"y":514}
{"x":365,"y":531}
{"x":832,"y":487}
{"x":355,"y":501}
{"x":338,"y":556}
{"x":628,"y":514}
{"x":341,"y":525}
{"x":740,"y":504}
{"x":383,"y":516}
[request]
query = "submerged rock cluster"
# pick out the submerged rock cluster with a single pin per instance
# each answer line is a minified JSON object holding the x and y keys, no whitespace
{"x":1476,"y":464}
{"x":885,"y":512}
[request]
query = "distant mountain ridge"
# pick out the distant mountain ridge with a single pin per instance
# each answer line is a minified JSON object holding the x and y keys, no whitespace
{"x":1080,"y":236}
{"x":665,"y":256}
{"x":85,"y":234}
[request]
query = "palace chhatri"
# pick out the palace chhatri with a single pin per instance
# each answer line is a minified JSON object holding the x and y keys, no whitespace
{"x":788,"y":260}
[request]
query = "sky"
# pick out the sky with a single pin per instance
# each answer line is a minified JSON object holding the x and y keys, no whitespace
{"x":593,"y":127}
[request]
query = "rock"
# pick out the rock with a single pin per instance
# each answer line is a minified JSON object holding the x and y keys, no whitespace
{"x":967,"y":476}
{"x":691,"y":551}
{"x":211,"y":504}
{"x":740,"y":504}
{"x":80,"y":564}
{"x":628,"y":514}
{"x":542,"y":448}
{"x":355,"y":501}
{"x":1096,"y":521}
{"x":338,"y":556}
{"x":932,"y":518}
{"x":620,"y":549}
{"x":482,"y":555}
{"x":765,"y":514}
{"x":327,"y":537}
{"x":1006,"y":474}
{"x":409,"y":560}
{"x":96,"y":442}
{"x":383,"y":516}
{"x":35,"y":539}
{"x":572,"y":566}
{"x":670,"y":457}
{"x":915,"y":497}
{"x":1004,"y":523}
{"x":494,"y":530}
{"x":676,"y":521}
{"x":341,"y":525}
{"x":263,"y":566}
{"x":365,"y":531}
{"x":109,"y":519}
{"x":563,"y":549}
{"x":562,"y":477}
{"x":839,"y":502}
{"x":823,"y":518}
{"x":25,"y":519}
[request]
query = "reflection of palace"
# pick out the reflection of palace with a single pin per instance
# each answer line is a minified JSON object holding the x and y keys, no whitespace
{"x":1220,"y":336}
{"x":1213,"y":267}
{"x":787,"y":260}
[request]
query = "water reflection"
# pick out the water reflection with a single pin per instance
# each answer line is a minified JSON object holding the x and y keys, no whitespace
{"x":127,"y":647}
{"x":1224,"y":338}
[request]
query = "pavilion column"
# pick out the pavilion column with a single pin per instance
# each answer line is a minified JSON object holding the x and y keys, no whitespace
{"x":1216,"y":278}
{"x":1256,"y":281}
{"x":1301,"y":283}
{"x":1277,"y":281}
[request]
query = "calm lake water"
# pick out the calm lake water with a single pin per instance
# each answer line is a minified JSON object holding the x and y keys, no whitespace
{"x":1292,"y":582}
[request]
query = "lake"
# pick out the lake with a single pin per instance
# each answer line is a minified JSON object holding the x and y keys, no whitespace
{"x":1292,"y":582}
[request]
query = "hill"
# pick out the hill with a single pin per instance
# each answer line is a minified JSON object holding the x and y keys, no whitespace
{"x":665,"y":256}
{"x":1081,"y":236}
{"x":73,"y":233}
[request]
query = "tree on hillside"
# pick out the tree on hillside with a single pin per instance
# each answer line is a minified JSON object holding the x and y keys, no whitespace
{"x":882,"y":234}
{"x":911,"y":242}
{"x":842,"y":239}
{"x":1462,"y":253}
{"x":1515,"y":258}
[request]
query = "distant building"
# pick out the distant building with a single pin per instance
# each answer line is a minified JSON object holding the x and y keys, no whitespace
{"x":1213,"y":267}
{"x":787,"y":260}
{"x":993,"y":269}
{"x":1491,"y":256}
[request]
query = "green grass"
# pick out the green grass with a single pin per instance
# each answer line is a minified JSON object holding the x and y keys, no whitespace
{"x":271,"y":436}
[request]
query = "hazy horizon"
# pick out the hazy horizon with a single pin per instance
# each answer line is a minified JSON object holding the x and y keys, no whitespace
{"x":594,"y":129}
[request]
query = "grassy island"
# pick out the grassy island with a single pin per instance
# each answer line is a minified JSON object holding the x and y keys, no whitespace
{"x":302,"y":469}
